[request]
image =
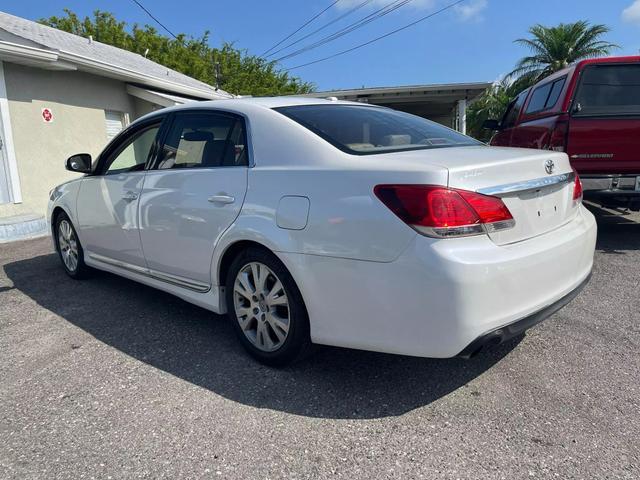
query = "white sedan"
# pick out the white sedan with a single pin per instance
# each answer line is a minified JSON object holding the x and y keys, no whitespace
{"x":317,"y":221}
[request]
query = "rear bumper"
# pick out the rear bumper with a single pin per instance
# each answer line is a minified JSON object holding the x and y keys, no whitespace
{"x":611,"y":186}
{"x":439,"y":296}
{"x":507,"y":332}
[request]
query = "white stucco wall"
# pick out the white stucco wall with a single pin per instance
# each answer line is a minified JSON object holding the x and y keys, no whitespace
{"x":78,"y":101}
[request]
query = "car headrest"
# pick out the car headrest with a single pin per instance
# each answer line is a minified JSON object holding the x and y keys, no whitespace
{"x":393,"y":140}
{"x":198,"y":136}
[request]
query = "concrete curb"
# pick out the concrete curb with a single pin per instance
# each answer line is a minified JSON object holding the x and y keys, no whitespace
{"x":22,"y":227}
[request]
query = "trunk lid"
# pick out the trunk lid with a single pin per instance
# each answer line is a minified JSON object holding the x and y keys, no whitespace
{"x":538,"y":195}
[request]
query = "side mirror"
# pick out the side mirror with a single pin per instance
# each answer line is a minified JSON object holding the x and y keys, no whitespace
{"x":79,"y":163}
{"x":491,"y":124}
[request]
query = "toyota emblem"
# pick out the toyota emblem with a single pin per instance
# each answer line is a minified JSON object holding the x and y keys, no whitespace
{"x":549,"y":166}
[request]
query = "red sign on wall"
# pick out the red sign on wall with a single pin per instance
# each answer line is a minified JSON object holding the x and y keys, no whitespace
{"x":47,"y":115}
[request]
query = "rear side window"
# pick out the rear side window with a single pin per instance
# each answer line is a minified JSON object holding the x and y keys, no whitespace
{"x":202,"y":140}
{"x":608,"y":90}
{"x":363,"y":130}
{"x":545,"y":96}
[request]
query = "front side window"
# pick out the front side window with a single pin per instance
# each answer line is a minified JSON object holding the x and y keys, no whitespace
{"x":608,"y":90}
{"x":134,"y":153}
{"x":203,"y":140}
{"x":365,"y":130}
{"x":513,"y":111}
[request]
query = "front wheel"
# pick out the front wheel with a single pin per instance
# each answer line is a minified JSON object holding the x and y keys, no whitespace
{"x":69,"y":247}
{"x":266,"y":308}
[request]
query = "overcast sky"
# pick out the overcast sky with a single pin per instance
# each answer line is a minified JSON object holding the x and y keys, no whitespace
{"x":472,"y":41}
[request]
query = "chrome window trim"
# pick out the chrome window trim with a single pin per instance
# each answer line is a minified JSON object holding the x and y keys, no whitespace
{"x":527,"y":186}
{"x":163,"y":277}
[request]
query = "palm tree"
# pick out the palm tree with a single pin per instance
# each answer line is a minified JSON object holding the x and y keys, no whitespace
{"x":554,"y":48}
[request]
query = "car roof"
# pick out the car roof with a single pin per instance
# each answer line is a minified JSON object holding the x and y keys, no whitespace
{"x":245,"y":105}
{"x":283,"y":101}
{"x":599,"y":60}
{"x":583,"y":63}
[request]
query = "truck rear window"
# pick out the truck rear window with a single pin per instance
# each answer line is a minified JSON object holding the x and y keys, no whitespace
{"x":365,"y":130}
{"x":608,"y":90}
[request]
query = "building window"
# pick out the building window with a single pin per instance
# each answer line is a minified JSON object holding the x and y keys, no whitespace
{"x":115,"y":122}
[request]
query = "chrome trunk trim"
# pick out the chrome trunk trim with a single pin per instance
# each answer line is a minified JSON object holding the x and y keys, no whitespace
{"x":527,"y":186}
{"x":163,"y":277}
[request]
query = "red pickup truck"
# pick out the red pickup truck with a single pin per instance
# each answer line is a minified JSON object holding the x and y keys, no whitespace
{"x":591,"y":111}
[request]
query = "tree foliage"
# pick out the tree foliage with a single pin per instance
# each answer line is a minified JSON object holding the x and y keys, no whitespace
{"x":555,"y":48}
{"x":240,"y":72}
{"x":552,"y":49}
{"x":491,"y":105}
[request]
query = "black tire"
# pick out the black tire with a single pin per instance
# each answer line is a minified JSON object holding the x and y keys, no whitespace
{"x":81,"y":270}
{"x":297,"y":342}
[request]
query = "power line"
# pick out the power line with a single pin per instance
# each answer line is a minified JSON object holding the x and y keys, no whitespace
{"x":299,"y":28}
{"x":451,"y":5}
{"x":387,"y":9}
{"x":155,"y":19}
{"x":379,"y":13}
{"x":349,"y":12}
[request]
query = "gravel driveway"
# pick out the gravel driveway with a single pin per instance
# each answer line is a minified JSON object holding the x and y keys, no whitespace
{"x":106,"y":378}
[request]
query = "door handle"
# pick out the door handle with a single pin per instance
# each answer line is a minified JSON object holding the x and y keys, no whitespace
{"x":130,"y":196}
{"x":221,"y":199}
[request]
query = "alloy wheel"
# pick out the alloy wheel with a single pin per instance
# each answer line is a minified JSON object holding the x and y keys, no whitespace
{"x":261,"y":306}
{"x":68,"y":245}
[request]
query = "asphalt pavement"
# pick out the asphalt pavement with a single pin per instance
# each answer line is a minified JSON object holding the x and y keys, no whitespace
{"x":106,"y":378}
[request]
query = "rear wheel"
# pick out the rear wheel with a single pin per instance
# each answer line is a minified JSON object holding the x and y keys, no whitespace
{"x":69,"y":247}
{"x":266,"y":308}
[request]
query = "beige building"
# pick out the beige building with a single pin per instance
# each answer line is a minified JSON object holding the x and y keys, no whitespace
{"x":62,"y":94}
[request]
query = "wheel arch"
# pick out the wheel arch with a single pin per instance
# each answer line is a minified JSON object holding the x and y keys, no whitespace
{"x":231,"y":252}
{"x":55,"y":213}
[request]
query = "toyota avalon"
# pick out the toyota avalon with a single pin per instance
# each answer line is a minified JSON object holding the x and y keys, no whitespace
{"x":337,"y":223}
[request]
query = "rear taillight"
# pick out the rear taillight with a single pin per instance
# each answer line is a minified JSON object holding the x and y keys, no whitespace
{"x":577,"y":188}
{"x":445,"y":212}
{"x":559,"y":134}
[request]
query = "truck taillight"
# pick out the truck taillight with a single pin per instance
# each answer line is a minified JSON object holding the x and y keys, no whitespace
{"x":559,"y":135}
{"x":443,"y":212}
{"x":577,"y":188}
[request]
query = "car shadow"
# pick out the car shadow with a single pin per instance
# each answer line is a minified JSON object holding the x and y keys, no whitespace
{"x":617,"y":230}
{"x":200,"y":347}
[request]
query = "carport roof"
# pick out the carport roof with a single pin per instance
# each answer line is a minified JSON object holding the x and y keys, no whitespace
{"x":450,"y":91}
{"x":425,"y":100}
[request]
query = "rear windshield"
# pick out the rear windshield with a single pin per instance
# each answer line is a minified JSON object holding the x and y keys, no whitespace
{"x":609,"y":90}
{"x":364,"y":130}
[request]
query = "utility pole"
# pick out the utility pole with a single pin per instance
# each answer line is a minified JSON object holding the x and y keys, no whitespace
{"x":216,"y":70}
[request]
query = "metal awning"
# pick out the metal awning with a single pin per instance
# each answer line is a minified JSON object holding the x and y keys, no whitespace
{"x":159,"y":98}
{"x":445,"y":103}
